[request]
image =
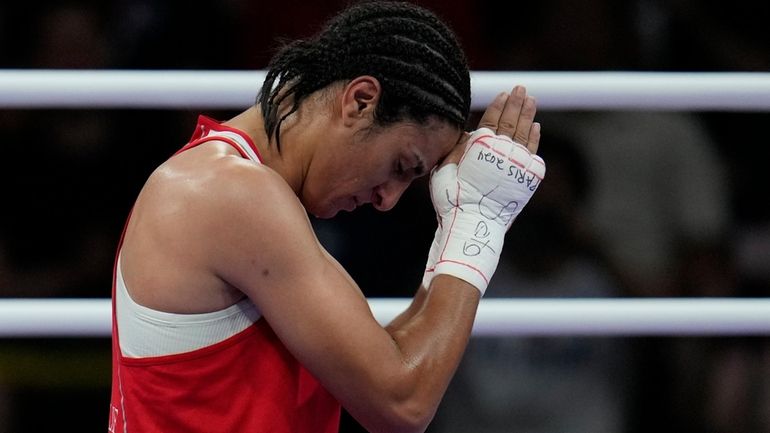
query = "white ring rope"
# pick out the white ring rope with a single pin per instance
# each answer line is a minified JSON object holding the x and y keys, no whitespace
{"x":496,"y":317}
{"x":742,"y":91}
{"x":522,"y":317}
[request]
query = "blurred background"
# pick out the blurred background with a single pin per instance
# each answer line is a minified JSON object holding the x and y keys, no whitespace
{"x":637,"y":204}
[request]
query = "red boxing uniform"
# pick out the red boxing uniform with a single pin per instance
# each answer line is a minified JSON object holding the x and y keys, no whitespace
{"x":224,"y":371}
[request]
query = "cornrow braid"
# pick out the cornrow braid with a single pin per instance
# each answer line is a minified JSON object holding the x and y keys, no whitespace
{"x":415,"y":56}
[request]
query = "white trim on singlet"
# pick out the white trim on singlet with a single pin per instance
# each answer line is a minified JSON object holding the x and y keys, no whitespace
{"x":237,"y":138}
{"x":145,"y":332}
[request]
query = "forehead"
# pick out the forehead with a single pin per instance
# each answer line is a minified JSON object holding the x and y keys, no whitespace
{"x":432,"y":139}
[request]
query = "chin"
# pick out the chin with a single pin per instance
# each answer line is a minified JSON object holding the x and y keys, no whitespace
{"x":323,"y":212}
{"x":327,"y":215}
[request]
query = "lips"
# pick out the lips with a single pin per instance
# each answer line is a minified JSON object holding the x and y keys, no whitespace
{"x":351,"y":204}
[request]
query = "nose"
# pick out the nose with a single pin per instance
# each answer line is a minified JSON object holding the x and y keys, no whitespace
{"x":386,"y":195}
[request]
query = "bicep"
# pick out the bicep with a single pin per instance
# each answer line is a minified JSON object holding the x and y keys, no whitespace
{"x":309,"y":301}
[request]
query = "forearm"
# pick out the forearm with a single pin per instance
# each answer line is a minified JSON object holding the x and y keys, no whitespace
{"x":418,"y":301}
{"x":396,"y":383}
{"x":433,"y":340}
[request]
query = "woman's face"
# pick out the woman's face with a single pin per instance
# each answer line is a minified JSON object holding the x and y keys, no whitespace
{"x":375,"y":166}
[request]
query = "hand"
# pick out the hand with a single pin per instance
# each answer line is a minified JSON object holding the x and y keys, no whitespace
{"x":511,"y":115}
{"x":482,"y":186}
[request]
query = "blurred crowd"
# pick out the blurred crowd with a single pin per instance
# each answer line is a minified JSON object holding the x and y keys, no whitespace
{"x":636,"y":204}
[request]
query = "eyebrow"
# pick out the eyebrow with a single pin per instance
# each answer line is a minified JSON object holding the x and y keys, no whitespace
{"x":419,"y":170}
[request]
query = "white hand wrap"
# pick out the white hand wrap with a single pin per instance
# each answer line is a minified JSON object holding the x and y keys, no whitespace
{"x":476,"y":201}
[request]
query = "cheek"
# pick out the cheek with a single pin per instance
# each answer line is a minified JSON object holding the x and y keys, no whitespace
{"x":361,"y":173}
{"x":358,"y":170}
{"x":340,"y":180}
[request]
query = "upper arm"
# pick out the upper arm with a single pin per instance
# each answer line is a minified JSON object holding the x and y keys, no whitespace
{"x":269,"y":251}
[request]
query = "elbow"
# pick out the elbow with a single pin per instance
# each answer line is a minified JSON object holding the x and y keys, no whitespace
{"x":400,"y":412}
{"x":410,"y":417}
{"x":398,"y":420}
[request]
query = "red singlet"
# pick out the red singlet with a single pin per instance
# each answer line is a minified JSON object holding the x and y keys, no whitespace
{"x":247,"y":382}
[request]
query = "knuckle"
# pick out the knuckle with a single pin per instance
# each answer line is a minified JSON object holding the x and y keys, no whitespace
{"x":530,"y":104}
{"x":487,"y":124}
{"x":506,"y":125}
{"x":498,"y":104}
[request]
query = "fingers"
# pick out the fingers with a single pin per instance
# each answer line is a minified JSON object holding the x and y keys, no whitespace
{"x":525,"y":120}
{"x":534,"y":138}
{"x":509,"y":118}
{"x":491,"y":116}
{"x":513,"y":116}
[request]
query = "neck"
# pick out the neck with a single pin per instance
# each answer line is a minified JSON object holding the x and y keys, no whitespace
{"x":290,"y":162}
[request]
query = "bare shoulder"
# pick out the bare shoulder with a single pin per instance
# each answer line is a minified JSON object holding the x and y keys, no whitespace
{"x":209,"y":172}
{"x":201,"y":214}
{"x":268,"y":235}
{"x":241,"y":188}
{"x":232,"y":203}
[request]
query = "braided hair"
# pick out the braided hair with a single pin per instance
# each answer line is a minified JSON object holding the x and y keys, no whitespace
{"x":416,"y":57}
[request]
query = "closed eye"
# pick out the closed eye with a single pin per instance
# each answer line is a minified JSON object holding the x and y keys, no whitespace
{"x":400,"y":168}
{"x":417,"y":171}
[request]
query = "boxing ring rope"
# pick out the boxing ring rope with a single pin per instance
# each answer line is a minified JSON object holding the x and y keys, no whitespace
{"x":496,"y":317}
{"x":744,"y":91}
{"x":524,"y":317}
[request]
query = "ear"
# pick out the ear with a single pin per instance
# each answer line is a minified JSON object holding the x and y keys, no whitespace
{"x":359,"y":99}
